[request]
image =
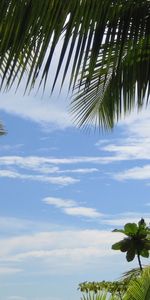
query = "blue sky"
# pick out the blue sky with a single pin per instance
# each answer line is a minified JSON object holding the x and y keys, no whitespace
{"x":62,"y":193}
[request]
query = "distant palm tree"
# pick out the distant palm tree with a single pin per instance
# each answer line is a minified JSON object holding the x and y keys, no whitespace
{"x":136,"y":242}
{"x":106,"y":44}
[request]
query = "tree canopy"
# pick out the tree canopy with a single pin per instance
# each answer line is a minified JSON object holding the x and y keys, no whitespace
{"x":136,"y":242}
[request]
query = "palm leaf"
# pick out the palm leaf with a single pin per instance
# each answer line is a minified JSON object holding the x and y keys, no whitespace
{"x":113,"y":92}
{"x":2,"y":130}
{"x":105,"y":47}
{"x":139,"y":288}
{"x":133,"y":273}
{"x":99,"y":296}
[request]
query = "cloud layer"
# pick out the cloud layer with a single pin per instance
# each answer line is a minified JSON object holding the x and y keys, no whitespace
{"x":54,"y":249}
{"x":61,"y":249}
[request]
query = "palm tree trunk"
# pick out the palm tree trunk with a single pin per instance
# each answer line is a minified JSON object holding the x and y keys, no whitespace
{"x":139,"y":261}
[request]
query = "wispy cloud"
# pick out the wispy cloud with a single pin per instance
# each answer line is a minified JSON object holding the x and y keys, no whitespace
{"x":49,"y":114}
{"x":122,"y":221}
{"x":134,"y":143}
{"x":9,"y":270}
{"x":59,"y":202}
{"x":11,"y":148}
{"x":50,"y":164}
{"x":71,"y":245}
{"x":43,"y":169}
{"x":137,"y":173}
{"x":80,"y":171}
{"x":62,"y":249}
{"x":35,"y":162}
{"x":9,"y":225}
{"x":71,"y":207}
{"x":59,"y":180}
{"x":83,"y":211}
{"x":126,"y":217}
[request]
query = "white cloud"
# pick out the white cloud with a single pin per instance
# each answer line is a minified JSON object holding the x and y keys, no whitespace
{"x":137,"y":173}
{"x":134,"y":143}
{"x":62,"y":250}
{"x":46,"y":166}
{"x":49,"y":113}
{"x":9,"y":271}
{"x":35,"y":162}
{"x":80,"y":171}
{"x":126,"y":217}
{"x":59,"y":180}
{"x":73,"y":245}
{"x":82,"y":211}
{"x":71,"y":207}
{"x":58,"y":202}
{"x":9,"y":225}
{"x":77,"y":254}
{"x":57,"y":251}
{"x":123,"y":221}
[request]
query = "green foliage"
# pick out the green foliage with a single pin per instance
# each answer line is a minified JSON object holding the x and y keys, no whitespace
{"x":139,"y":288}
{"x":99,"y":296}
{"x":137,"y":241}
{"x":105,"y":45}
{"x":134,"y":286}
{"x":113,"y":288}
{"x":133,"y":273}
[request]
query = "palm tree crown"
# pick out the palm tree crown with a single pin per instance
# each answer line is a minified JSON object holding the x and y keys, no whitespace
{"x":137,"y":241}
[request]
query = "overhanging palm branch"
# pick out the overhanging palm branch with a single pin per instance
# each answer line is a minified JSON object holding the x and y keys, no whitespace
{"x":113,"y":92}
{"x":106,"y":48}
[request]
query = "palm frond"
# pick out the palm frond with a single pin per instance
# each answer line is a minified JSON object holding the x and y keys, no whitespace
{"x":103,"y":295}
{"x":113,"y":91}
{"x":133,"y":273}
{"x":2,"y":130}
{"x":105,"y":47}
{"x":139,"y":288}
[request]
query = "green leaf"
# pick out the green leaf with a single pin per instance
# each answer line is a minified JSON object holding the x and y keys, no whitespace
{"x":126,"y":244}
{"x":119,"y":230}
{"x":144,"y":253}
{"x":117,"y":246}
{"x":130,"y":229}
{"x":147,"y":244}
{"x":130,"y":254}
